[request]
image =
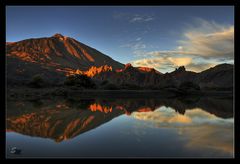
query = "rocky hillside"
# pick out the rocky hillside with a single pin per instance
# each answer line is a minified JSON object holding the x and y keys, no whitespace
{"x":220,"y":76}
{"x":139,"y":76}
{"x":55,"y":54}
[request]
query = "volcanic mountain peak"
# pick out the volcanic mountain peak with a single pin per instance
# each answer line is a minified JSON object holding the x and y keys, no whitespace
{"x":59,"y":52}
{"x":59,"y":36}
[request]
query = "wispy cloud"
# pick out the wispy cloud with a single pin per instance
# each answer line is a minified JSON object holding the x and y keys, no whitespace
{"x":134,"y":18}
{"x":140,"y":18}
{"x":208,"y":41}
{"x":198,"y":67}
{"x":137,"y":47}
{"x":168,"y":53}
{"x":138,"y":39}
{"x":219,"y":44}
{"x":163,"y":63}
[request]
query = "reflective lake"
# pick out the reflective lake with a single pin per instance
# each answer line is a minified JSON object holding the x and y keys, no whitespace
{"x":181,"y":127}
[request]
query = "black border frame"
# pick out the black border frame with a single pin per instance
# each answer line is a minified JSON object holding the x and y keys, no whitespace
{"x":235,"y":3}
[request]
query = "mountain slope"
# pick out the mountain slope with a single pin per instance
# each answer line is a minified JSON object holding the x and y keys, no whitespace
{"x":59,"y":52}
{"x":220,"y":76}
{"x":138,"y":76}
{"x":52,"y":57}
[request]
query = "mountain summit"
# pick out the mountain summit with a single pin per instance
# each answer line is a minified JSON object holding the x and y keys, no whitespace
{"x":58,"y":35}
{"x":53,"y":57}
{"x":60,"y":52}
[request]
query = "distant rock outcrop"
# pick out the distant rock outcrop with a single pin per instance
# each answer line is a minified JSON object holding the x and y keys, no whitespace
{"x":97,"y":70}
{"x":129,"y":75}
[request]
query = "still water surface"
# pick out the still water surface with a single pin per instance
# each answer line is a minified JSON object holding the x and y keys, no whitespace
{"x":195,"y":127}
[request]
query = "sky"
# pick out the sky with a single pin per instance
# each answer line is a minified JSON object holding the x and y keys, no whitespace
{"x":162,"y":37}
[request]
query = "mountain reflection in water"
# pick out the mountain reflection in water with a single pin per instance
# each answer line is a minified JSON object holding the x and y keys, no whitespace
{"x":65,"y":119}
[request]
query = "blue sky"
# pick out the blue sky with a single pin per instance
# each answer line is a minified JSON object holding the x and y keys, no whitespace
{"x":161,"y":37}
